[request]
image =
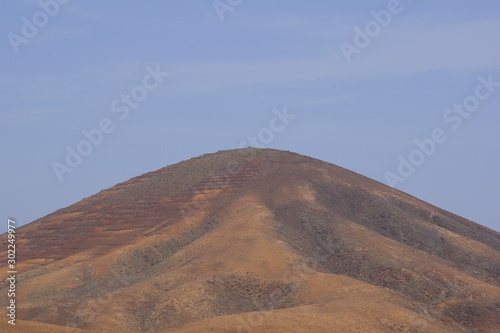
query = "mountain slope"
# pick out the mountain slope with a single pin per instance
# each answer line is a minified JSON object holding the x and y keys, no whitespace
{"x":258,"y":240}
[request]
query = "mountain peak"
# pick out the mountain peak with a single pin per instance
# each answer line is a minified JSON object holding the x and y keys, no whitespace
{"x":258,"y":240}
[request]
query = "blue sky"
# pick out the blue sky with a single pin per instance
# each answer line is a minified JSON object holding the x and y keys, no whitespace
{"x":225,"y":78}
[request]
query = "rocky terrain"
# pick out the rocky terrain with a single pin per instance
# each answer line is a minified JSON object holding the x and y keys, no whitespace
{"x":255,"y":240}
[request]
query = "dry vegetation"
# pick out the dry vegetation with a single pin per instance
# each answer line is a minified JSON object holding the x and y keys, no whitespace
{"x":256,"y":240}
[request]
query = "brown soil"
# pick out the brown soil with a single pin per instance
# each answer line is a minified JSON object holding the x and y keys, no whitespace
{"x":255,"y":240}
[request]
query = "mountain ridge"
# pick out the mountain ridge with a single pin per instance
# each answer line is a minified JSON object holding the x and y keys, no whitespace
{"x":210,"y":241}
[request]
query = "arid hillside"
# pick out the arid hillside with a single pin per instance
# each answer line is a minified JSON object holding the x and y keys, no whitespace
{"x":255,"y":240}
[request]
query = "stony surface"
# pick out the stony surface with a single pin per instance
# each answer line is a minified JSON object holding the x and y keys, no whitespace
{"x":256,"y":240}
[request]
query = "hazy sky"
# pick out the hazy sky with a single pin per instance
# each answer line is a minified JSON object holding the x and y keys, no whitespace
{"x":355,"y":83}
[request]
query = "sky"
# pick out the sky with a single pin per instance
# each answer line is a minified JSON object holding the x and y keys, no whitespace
{"x":93,"y":93}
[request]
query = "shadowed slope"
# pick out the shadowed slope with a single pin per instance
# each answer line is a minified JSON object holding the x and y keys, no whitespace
{"x":258,"y":240}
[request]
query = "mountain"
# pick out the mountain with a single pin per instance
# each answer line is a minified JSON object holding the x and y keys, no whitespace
{"x":255,"y":240}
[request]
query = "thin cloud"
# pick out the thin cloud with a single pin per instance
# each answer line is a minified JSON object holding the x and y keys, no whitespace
{"x":464,"y":47}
